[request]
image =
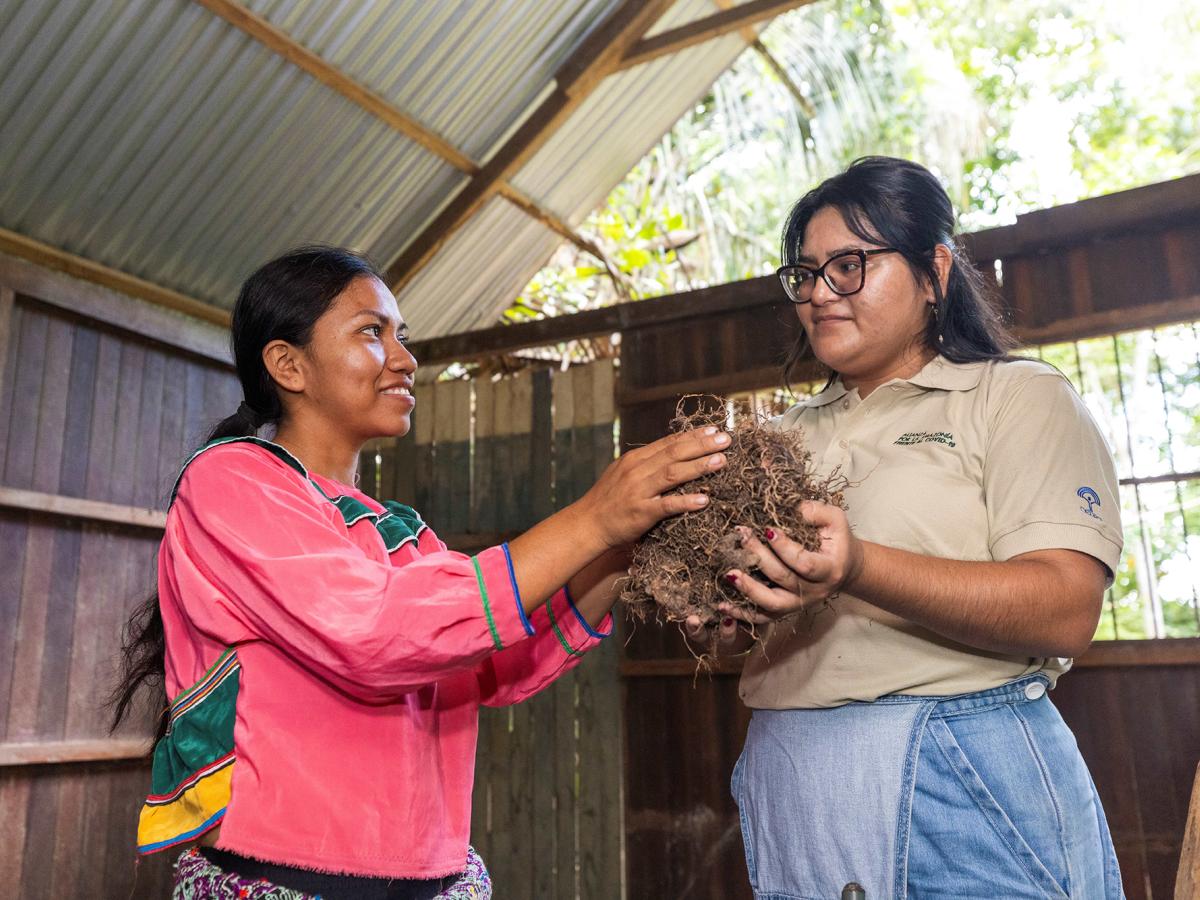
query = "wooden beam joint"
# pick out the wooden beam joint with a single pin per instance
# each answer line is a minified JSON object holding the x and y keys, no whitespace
{"x":717,"y":25}
{"x":598,"y":56}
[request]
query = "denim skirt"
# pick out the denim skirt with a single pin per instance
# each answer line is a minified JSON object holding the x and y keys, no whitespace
{"x":978,"y":795}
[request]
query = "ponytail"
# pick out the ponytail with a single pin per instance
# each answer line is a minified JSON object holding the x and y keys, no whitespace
{"x":143,"y":640}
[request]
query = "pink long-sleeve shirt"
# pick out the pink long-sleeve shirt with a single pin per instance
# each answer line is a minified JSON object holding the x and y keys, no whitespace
{"x":362,"y":671}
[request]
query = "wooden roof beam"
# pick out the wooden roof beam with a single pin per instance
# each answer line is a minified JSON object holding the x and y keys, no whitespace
{"x":751,"y":37}
{"x":562,"y":228}
{"x":599,"y":55}
{"x":280,"y":42}
{"x":716,"y":25}
{"x":76,"y":266}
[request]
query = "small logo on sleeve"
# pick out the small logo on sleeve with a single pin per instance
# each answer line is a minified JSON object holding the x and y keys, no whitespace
{"x":1091,"y":498}
{"x":921,"y":437}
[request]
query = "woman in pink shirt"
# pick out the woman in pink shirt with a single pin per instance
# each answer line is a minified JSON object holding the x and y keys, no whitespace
{"x":326,"y":654}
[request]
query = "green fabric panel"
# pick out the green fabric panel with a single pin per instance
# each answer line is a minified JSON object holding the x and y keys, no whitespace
{"x":352,"y":510}
{"x":406,"y":514}
{"x":201,"y":736}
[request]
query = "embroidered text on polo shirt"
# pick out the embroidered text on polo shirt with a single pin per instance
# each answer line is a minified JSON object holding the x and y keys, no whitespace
{"x":920,"y":437}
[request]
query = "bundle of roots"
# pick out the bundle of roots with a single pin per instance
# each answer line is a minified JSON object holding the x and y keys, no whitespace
{"x":679,"y":567}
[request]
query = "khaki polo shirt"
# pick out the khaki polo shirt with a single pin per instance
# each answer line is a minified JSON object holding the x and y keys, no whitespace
{"x":978,"y":461}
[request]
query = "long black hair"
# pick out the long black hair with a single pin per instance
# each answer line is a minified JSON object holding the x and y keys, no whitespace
{"x":896,"y":203}
{"x":281,"y":301}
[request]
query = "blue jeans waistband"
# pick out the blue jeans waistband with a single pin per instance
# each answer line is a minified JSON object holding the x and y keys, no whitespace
{"x":953,"y":704}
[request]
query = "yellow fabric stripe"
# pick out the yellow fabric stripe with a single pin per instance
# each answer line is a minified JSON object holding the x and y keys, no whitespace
{"x":195,"y":806}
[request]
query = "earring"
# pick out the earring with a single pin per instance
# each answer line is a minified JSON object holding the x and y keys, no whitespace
{"x":937,"y":327}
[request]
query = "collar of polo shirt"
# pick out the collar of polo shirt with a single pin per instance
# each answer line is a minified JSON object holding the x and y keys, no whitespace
{"x":939,"y":374}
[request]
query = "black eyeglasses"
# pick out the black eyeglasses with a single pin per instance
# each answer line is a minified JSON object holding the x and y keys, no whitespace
{"x":845,"y":274}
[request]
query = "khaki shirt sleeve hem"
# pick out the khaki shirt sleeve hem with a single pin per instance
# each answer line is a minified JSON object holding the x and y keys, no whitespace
{"x":1058,"y":536}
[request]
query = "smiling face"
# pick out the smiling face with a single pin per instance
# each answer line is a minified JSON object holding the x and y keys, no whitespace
{"x":356,"y":372}
{"x":875,"y":334}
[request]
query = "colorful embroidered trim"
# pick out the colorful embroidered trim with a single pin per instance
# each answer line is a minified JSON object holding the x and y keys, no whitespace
{"x":599,"y":635}
{"x":487,"y":606}
{"x":512,"y":577}
{"x":193,"y":763}
{"x":196,"y":878}
{"x":398,"y":525}
{"x":571,"y":651}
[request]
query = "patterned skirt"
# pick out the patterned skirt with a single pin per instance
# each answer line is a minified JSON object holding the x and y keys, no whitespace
{"x":197,"y":878}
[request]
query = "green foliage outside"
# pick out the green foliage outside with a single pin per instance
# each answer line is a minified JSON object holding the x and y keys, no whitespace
{"x":1144,"y":390}
{"x":1017,"y":105}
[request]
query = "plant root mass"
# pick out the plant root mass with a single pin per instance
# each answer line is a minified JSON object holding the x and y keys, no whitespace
{"x":678,"y":569}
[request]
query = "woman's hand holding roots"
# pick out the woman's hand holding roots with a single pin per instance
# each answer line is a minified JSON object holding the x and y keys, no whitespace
{"x":633,"y":493}
{"x":801,"y":579}
{"x":679,"y":569}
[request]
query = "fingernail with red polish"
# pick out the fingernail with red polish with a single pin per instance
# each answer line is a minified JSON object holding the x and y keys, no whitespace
{"x":770,"y":535}
{"x":731,"y":578}
{"x":727,"y":622}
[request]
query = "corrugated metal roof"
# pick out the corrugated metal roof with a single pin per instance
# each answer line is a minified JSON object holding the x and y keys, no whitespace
{"x":156,"y":138}
{"x":470,"y":282}
{"x":467,"y":70}
{"x":611,"y":131}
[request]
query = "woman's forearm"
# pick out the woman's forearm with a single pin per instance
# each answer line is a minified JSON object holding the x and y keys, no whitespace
{"x":1044,"y":603}
{"x":632,"y":494}
{"x":553,"y":551}
{"x":594,"y":589}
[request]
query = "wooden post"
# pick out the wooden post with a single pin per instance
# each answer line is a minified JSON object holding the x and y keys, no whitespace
{"x":502,"y":455}
{"x":7,"y":299}
{"x":424,"y":416}
{"x":368,"y":469}
{"x":598,"y":709}
{"x":483,"y":494}
{"x":1187,"y":881}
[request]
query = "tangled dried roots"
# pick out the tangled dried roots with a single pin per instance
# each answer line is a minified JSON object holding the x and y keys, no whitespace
{"x":679,"y":566}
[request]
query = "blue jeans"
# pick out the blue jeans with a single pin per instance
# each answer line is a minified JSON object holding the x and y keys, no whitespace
{"x":980,"y":795}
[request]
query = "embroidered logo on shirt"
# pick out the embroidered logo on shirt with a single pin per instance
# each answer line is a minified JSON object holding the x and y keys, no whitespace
{"x":921,"y":437}
{"x":1091,"y":498}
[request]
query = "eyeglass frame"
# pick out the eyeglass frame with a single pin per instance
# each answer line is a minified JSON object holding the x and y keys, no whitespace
{"x":783,"y":271}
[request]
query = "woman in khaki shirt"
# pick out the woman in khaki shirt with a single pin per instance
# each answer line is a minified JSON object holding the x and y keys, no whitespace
{"x":902,"y":735}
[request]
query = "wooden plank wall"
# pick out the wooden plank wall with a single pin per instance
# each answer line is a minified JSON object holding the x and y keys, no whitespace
{"x":1126,"y":261}
{"x":95,"y":411}
{"x":1138,"y":727}
{"x":486,"y":460}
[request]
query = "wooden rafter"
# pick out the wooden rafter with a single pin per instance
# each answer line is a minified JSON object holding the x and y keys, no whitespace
{"x":599,"y":55}
{"x":563,"y":229}
{"x":280,"y":42}
{"x":774,"y":64}
{"x":61,"y":261}
{"x":732,"y":19}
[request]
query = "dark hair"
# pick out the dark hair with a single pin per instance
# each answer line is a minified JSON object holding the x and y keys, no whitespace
{"x":281,"y":301}
{"x":896,"y":203}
